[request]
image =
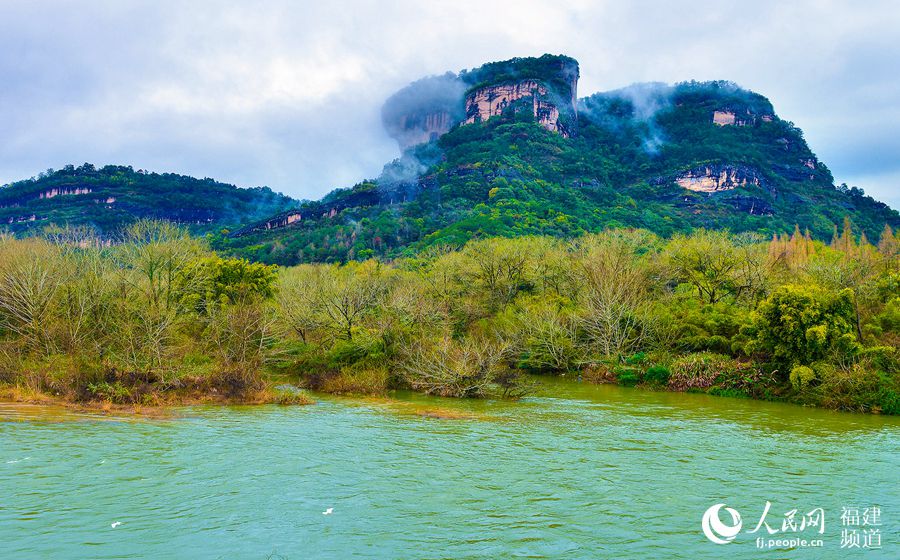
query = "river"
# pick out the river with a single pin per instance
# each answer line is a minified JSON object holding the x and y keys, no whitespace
{"x":577,"y":471}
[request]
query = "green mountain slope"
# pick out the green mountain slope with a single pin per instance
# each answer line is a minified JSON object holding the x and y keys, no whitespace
{"x":665,"y":158}
{"x":113,"y":196}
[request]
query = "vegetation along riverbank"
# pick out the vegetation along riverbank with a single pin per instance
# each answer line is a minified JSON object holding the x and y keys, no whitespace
{"x":160,"y":319}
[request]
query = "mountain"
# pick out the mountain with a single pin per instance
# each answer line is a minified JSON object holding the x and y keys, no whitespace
{"x":508,"y":149}
{"x":108,"y":198}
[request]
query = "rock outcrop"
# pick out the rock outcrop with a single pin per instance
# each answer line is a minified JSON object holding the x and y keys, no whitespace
{"x":547,"y":87}
{"x":718,"y":177}
{"x":61,"y":191}
{"x":424,"y":110}
{"x":729,"y":117}
{"x":428,"y":108}
{"x":490,"y":101}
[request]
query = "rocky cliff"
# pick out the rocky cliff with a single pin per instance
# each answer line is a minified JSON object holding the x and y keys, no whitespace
{"x":546,"y":87}
{"x":424,"y":110}
{"x":718,"y":177}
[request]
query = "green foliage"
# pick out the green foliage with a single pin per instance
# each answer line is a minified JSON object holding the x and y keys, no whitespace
{"x":636,"y":359}
{"x":112,"y":392}
{"x":627,"y":376}
{"x":109,"y":198}
{"x":551,"y":69}
{"x":160,"y":317}
{"x":227,"y":281}
{"x":701,"y":370}
{"x":803,"y":324}
{"x":657,"y":375}
{"x":509,"y":177}
{"x":802,"y":376}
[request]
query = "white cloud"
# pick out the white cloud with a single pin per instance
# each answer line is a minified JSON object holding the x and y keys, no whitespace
{"x":288,"y":93}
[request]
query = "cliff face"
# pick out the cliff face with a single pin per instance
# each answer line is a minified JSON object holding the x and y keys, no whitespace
{"x":714,"y":178}
{"x":547,"y":87}
{"x":418,"y":129}
{"x":491,"y":101}
{"x":424,"y":110}
{"x":429,"y":108}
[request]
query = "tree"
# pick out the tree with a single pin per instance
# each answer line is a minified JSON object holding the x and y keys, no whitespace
{"x":708,"y":260}
{"x":348,"y":294}
{"x":156,"y":264}
{"x":30,"y":278}
{"x":798,"y":325}
{"x":615,"y":295}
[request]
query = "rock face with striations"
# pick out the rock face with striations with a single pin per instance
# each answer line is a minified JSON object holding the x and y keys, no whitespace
{"x":424,"y":110}
{"x":546,"y":87}
{"x":718,"y":177}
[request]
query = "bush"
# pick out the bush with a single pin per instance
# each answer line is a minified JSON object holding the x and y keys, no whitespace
{"x":599,"y":373}
{"x":805,"y":323}
{"x":290,"y":395}
{"x":357,"y":380}
{"x":802,"y":376}
{"x":112,"y":392}
{"x":853,"y":388}
{"x":628,"y":376}
{"x":359,"y":349}
{"x":657,"y":375}
{"x":636,"y":359}
{"x":701,"y":370}
{"x":468,"y":368}
{"x":882,"y":358}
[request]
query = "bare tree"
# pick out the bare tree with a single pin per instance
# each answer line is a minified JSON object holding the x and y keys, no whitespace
{"x":470,"y":368}
{"x":615,"y":295}
{"x":30,"y":278}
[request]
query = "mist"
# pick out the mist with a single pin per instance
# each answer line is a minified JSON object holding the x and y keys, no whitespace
{"x":289,"y":94}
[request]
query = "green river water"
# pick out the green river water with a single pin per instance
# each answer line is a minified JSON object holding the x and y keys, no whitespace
{"x":577,"y":471}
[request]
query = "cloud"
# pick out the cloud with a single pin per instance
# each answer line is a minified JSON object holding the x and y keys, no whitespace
{"x":288,"y":94}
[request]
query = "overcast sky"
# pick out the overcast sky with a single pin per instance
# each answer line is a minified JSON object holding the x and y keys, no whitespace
{"x":288,"y":93}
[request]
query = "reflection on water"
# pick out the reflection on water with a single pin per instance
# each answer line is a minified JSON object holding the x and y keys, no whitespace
{"x":577,"y":471}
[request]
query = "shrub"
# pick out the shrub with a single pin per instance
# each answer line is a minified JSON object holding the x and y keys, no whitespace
{"x":359,"y":349}
{"x":112,"y":392}
{"x":657,"y":375}
{"x":852,"y":388}
{"x":599,"y":373}
{"x":628,"y":376}
{"x":802,"y":376}
{"x":357,"y":380}
{"x":290,"y":395}
{"x":467,"y":368}
{"x":701,"y":370}
{"x":805,"y":323}
{"x":883,"y":358}
{"x":637,"y":358}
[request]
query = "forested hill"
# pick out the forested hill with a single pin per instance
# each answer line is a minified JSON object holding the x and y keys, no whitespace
{"x":503,"y":150}
{"x":108,"y":198}
{"x":665,"y":158}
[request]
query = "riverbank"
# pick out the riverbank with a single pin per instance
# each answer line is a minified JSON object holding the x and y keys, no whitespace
{"x":161,"y":403}
{"x":94,"y":324}
{"x":707,"y":374}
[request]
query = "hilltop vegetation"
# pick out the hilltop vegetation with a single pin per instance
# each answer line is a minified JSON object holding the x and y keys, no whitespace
{"x":510,"y":177}
{"x":160,"y":318}
{"x":110,"y":198}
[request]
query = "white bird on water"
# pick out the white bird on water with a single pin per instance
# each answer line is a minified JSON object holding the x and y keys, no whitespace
{"x":115,"y":524}
{"x":328,"y":511}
